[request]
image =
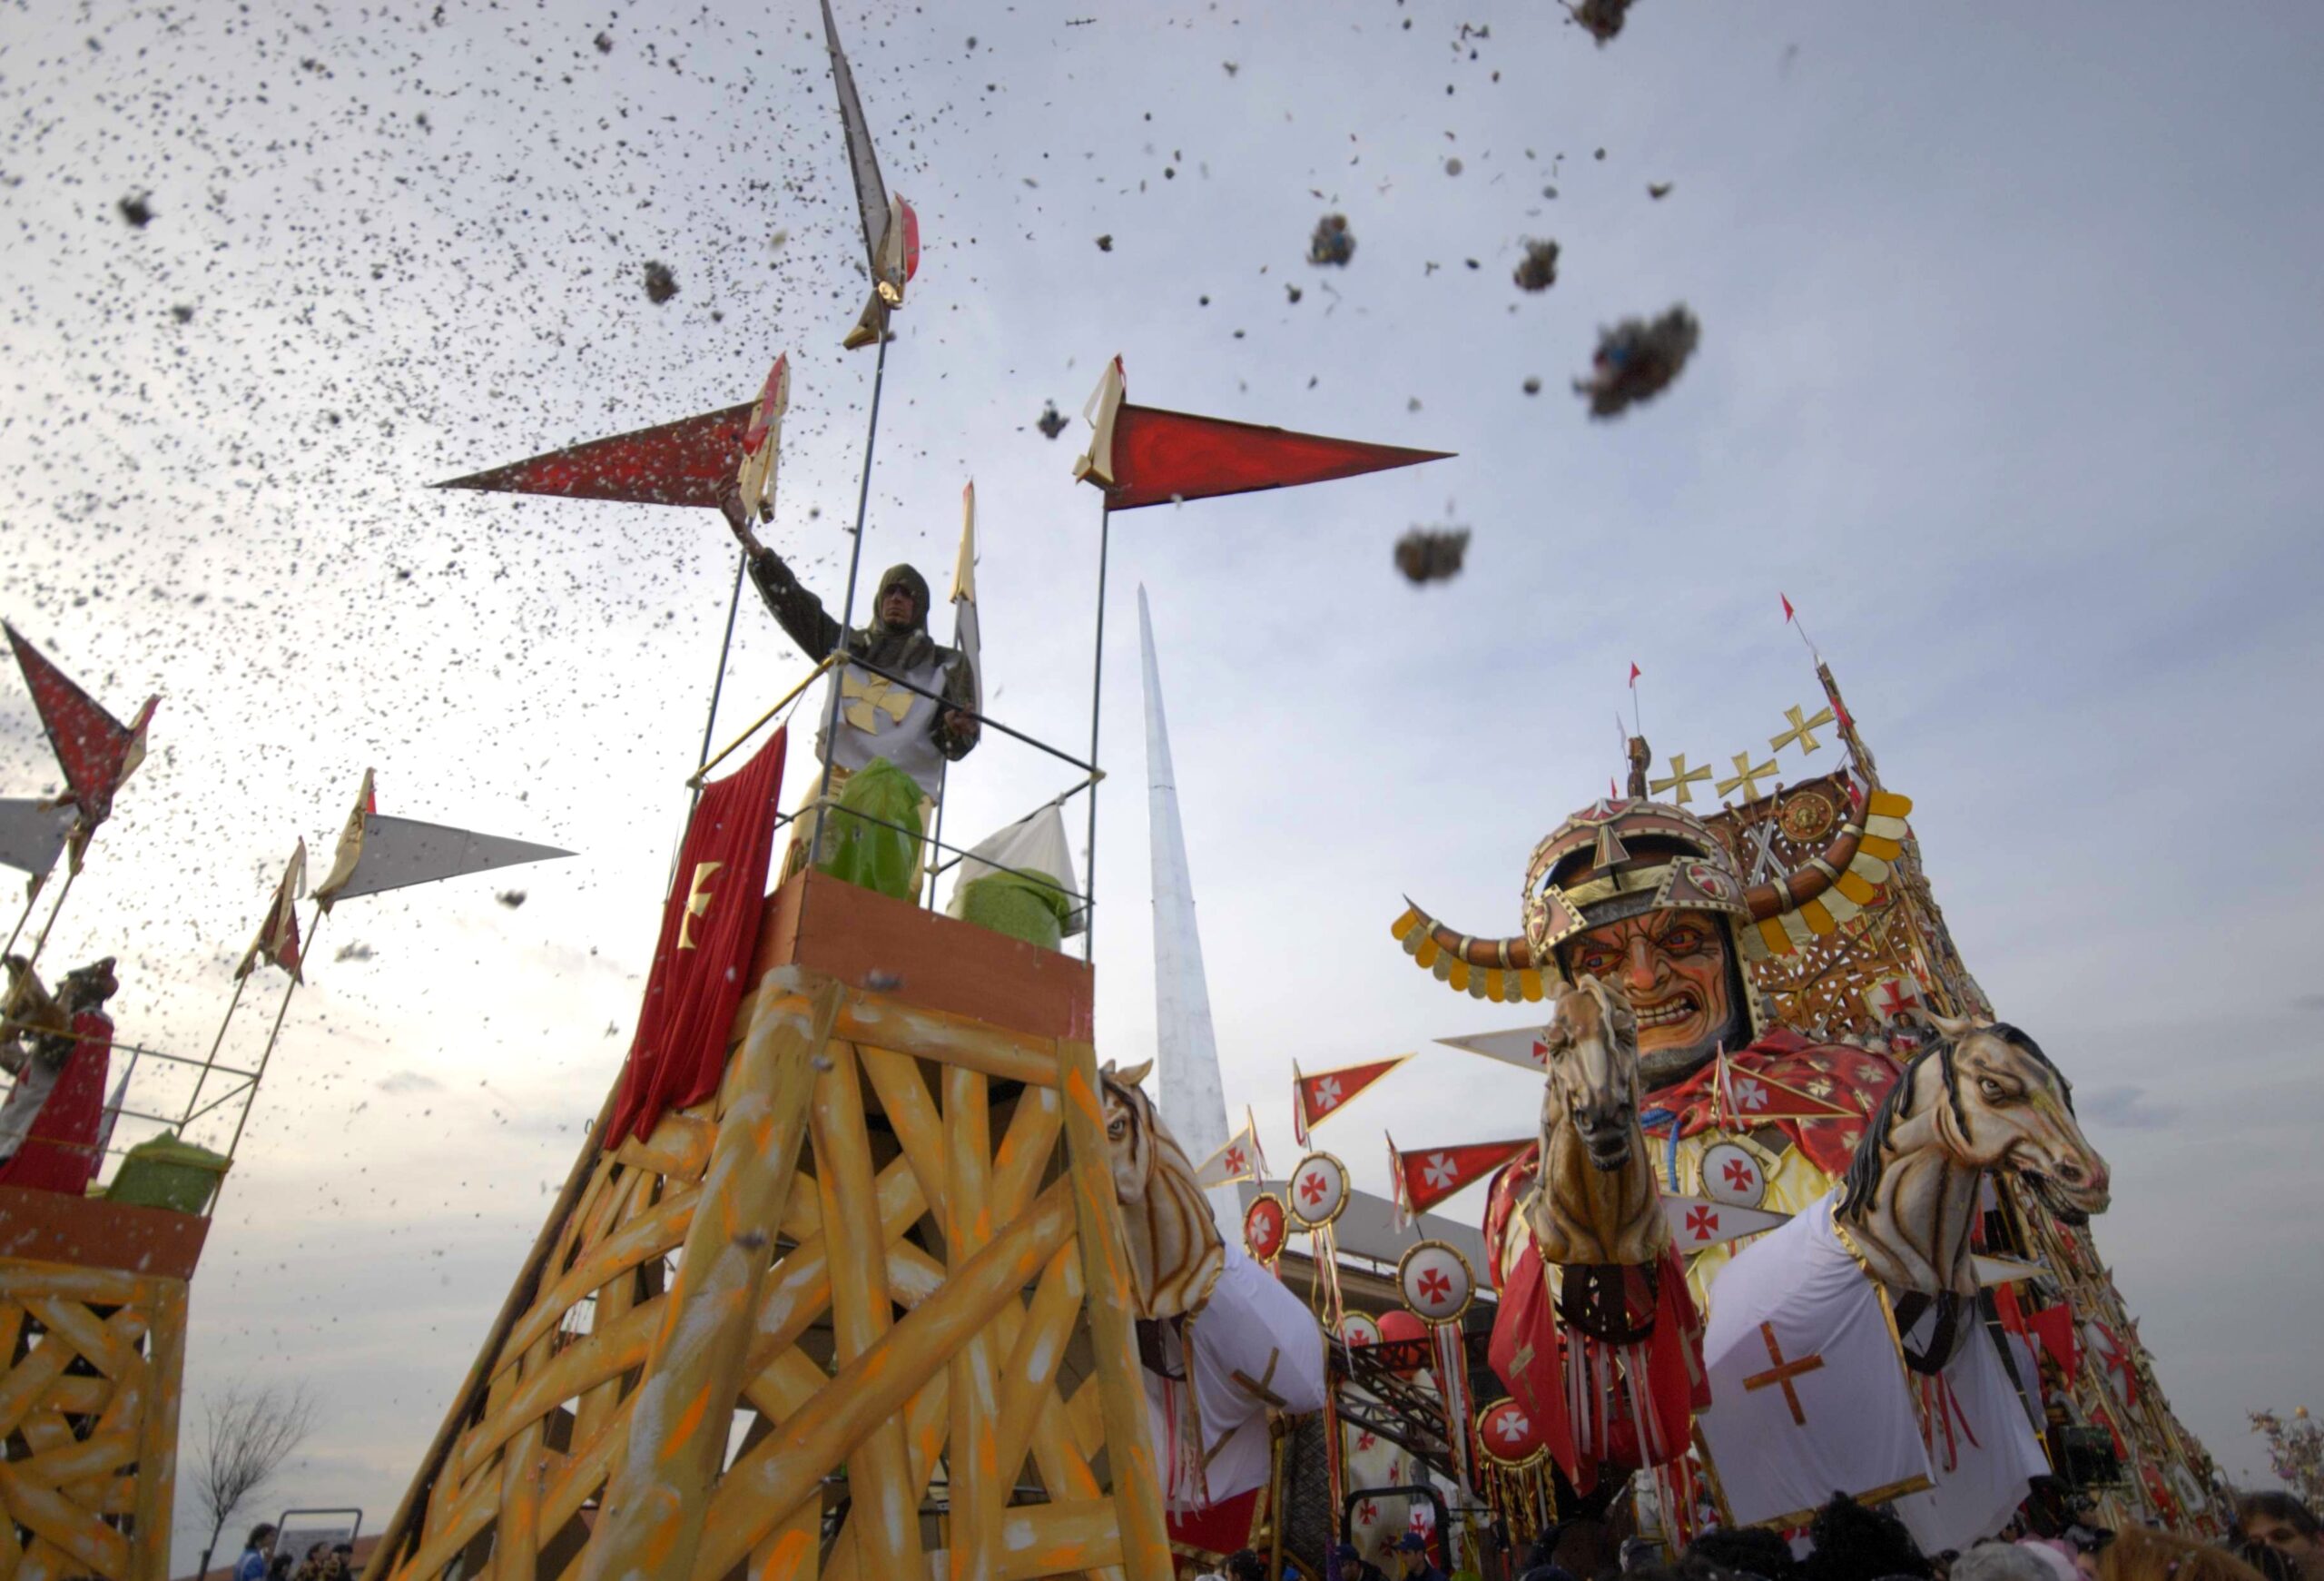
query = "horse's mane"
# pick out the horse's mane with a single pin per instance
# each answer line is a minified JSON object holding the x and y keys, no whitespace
{"x":1864,"y":1168}
{"x":1175,"y":1247}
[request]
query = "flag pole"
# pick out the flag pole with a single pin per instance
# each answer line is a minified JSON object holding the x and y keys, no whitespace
{"x":71,"y":872}
{"x":718,"y":681}
{"x":32,"y":899}
{"x":215,"y":1044}
{"x":854,"y":566}
{"x":282,"y":1010}
{"x":1096,"y":674}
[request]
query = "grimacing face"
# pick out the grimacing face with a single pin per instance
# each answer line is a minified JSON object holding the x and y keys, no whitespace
{"x":1673,"y":964}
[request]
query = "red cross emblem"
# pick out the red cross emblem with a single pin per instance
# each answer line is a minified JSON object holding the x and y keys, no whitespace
{"x":1893,"y":1000}
{"x":1434,"y":1287}
{"x":1740,"y":1174}
{"x":1540,"y":1053}
{"x":1234,"y":1160}
{"x":1701,"y":1223}
{"x":1367,"y":1512}
{"x":1311,"y":1189}
{"x":1365,"y":1441}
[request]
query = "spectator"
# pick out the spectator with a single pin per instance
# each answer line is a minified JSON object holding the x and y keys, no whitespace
{"x":1244,"y":1565}
{"x":2000,"y":1561}
{"x":314,"y":1564}
{"x":342,"y":1562}
{"x":2285,"y":1525}
{"x":2273,"y":1564}
{"x":1746,"y":1551}
{"x":1354,"y":1566}
{"x":278,"y":1567}
{"x":251,"y":1566}
{"x":1411,"y":1559}
{"x":1856,"y":1544}
{"x":2139,"y":1554}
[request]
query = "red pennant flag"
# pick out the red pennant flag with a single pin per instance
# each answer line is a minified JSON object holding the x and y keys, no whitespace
{"x":1634,"y":674}
{"x":1752,"y":1096}
{"x":1316,"y":1098}
{"x":1428,"y":1175}
{"x":685,"y":462}
{"x":1143,"y":455}
{"x":2054,"y":1327}
{"x":97,"y":752}
{"x":1788,"y":610}
{"x":710,"y":930}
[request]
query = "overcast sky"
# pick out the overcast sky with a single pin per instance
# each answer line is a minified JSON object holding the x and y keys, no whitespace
{"x":2008,"y":377}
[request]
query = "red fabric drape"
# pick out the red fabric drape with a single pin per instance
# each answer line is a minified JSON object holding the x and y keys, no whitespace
{"x":61,"y":1154}
{"x":710,"y":930}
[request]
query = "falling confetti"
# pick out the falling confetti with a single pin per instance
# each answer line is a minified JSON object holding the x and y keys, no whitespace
{"x":1429,"y":554}
{"x":511,"y":898}
{"x":1052,"y":421}
{"x":1658,"y":190}
{"x":661,"y":285}
{"x":1538,"y":270}
{"x":138,"y":210}
{"x":1637,"y":360}
{"x":1106,"y":243}
{"x":1602,"y":19}
{"x":1332,"y":242}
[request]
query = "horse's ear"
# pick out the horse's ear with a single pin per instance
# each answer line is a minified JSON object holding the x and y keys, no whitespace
{"x":1131,"y":1077}
{"x":1953,"y":1026}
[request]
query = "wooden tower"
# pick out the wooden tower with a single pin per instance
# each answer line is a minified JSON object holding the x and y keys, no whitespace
{"x":92,"y":1307}
{"x":868,"y":1302}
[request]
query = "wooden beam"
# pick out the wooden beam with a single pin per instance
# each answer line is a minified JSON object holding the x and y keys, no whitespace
{"x":763,"y":1486}
{"x":1105,"y":1269}
{"x":940,"y":1035}
{"x":651,"y":1520}
{"x":885,"y":1512}
{"x":977,"y":1492}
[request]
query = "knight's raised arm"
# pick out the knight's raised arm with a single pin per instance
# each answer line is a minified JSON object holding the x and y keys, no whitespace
{"x":799,"y":612}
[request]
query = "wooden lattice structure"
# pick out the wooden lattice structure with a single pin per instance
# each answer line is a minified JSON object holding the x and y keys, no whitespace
{"x":92,"y":1314}
{"x":868,"y":1301}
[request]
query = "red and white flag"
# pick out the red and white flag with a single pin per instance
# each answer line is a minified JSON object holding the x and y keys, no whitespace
{"x":277,"y":942}
{"x":1425,"y":1176}
{"x":1316,"y":1098}
{"x":1752,"y":1096}
{"x":1697,"y":1222}
{"x":97,"y":752}
{"x":1237,"y":1158}
{"x":1520,"y":1046}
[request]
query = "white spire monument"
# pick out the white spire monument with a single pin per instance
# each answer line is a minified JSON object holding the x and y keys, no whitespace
{"x":1186,"y":1045}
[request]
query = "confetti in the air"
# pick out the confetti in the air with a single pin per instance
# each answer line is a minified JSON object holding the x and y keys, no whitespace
{"x":1430,"y":554}
{"x":1538,"y":270}
{"x":1636,"y":361}
{"x":1332,"y":242}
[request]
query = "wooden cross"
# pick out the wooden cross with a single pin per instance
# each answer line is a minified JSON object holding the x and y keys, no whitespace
{"x":1799,"y":731}
{"x":1781,"y":1374}
{"x":1681,"y":777}
{"x":1747,"y":776}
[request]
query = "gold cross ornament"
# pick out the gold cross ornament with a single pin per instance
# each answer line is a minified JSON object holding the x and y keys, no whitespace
{"x":868,"y":697}
{"x":698,"y":901}
{"x":1799,"y":731}
{"x":1746,"y":777}
{"x":1681,"y":777}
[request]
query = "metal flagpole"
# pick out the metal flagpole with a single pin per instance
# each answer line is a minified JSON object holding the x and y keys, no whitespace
{"x":215,"y":1044}
{"x":42,"y":942}
{"x":718,"y":682}
{"x":32,"y":899}
{"x":935,"y":845}
{"x":313,"y":928}
{"x":854,"y":566}
{"x":1097,"y":675}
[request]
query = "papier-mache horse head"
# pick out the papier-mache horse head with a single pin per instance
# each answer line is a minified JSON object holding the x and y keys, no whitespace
{"x":1594,"y":1201}
{"x":1175,"y":1253}
{"x":1983,"y":1096}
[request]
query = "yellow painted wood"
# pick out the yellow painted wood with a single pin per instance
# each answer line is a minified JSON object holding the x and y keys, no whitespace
{"x":595,"y":1359}
{"x":800,"y":1288}
{"x":1029,"y":1377}
{"x":104,"y":1287}
{"x":78,"y":1534}
{"x":972,"y":1465}
{"x":1121,"y":1399}
{"x":885,"y":1512}
{"x":651,"y":1520}
{"x":872,"y":1388}
{"x":935,"y":1034}
{"x":679,"y":1147}
{"x":1052,"y":1539}
{"x":659,"y":1230}
{"x":1025,"y":1151}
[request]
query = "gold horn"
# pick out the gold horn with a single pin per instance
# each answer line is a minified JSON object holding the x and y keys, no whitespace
{"x":1418,"y":931}
{"x":1877,"y":835}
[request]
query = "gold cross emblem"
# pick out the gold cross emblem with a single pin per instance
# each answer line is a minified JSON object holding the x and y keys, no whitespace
{"x":698,"y":901}
{"x":868,"y":697}
{"x":1746,"y":777}
{"x":1799,"y":731}
{"x":1681,"y":777}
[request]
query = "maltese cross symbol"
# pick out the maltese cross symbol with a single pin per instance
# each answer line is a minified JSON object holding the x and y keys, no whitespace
{"x":1327,"y":1093}
{"x":1740,"y":1174}
{"x":1440,"y":1171}
{"x":1311,"y":1189}
{"x":1434,"y":1287}
{"x":1701,"y":1223}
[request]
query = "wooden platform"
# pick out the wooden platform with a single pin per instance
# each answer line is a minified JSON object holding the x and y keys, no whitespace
{"x":92,"y":1315}
{"x":868,"y":1302}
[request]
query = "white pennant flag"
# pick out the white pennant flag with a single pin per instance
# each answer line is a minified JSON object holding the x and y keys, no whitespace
{"x":1520,"y":1046}
{"x":1697,"y":1222}
{"x":967,"y":636}
{"x":377,"y":853}
{"x":1237,"y":1158}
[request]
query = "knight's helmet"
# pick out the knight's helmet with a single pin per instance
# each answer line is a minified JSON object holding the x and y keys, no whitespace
{"x":1620,"y":858}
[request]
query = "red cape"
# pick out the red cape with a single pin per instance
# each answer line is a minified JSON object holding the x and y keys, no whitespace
{"x":61,"y":1152}
{"x":1835,"y":1073}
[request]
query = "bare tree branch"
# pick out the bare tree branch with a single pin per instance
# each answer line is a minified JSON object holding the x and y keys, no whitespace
{"x":249,"y":1431}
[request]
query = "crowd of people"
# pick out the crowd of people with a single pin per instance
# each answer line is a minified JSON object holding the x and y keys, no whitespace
{"x":2277,"y":1538}
{"x":263,"y":1559}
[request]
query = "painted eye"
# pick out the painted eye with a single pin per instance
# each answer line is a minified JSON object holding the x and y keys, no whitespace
{"x":1683,"y":941}
{"x":1992,"y":1090}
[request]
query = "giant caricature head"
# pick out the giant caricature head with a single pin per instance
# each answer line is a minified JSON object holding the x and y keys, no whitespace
{"x":1645,"y":897}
